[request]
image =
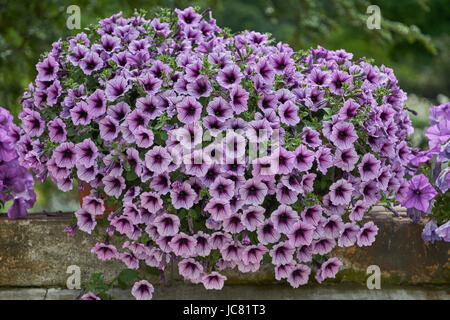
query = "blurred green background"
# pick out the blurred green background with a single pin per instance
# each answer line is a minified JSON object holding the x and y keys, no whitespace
{"x":413,"y":40}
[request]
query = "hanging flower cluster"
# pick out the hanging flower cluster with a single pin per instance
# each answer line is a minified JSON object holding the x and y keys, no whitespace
{"x":16,"y":183}
{"x":216,"y":150}
{"x":423,"y":198}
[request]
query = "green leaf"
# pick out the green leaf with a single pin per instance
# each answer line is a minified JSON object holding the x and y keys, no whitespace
{"x":126,"y":276}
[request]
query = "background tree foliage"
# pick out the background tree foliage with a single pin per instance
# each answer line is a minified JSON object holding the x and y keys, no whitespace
{"x":413,"y":39}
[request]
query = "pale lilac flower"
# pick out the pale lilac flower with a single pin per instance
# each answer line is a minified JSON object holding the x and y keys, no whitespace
{"x":282,"y":253}
{"x":142,"y":290}
{"x":229,"y":76}
{"x":443,"y":231}
{"x":86,"y":153}
{"x":420,"y":193}
{"x":267,"y":233}
{"x":341,"y":192}
{"x":183,"y":245}
{"x":253,"y":192}
{"x":367,"y":233}
{"x":214,"y":280}
{"x":369,"y":168}
{"x":284,"y":219}
{"x":346,"y":159}
{"x":86,"y":221}
{"x":299,"y":275}
{"x":190,"y":269}
{"x":167,"y":224}
{"x":301,"y":234}
{"x":343,"y":135}
{"x":253,"y":217}
{"x":114,"y":185}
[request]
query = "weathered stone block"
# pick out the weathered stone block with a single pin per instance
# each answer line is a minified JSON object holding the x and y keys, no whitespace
{"x":35,"y":252}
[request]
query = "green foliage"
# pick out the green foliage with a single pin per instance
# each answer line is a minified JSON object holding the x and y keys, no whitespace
{"x":127,"y":277}
{"x":98,"y":286}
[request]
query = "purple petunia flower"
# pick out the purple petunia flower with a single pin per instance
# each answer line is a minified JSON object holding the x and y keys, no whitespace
{"x":282,"y":253}
{"x":348,"y":235}
{"x":267,"y":233}
{"x":337,"y":81}
{"x":214,"y":280}
{"x":304,"y":158}
{"x":91,"y":62}
{"x":136,"y":119}
{"x":369,"y":168}
{"x":346,"y":159}
{"x":123,"y":224}
{"x":97,"y":103}
{"x":253,"y":192}
{"x":219,"y":108}
{"x":229,"y":76}
{"x":167,"y":224}
{"x":429,"y":232}
{"x":93,"y":205}
{"x":312,"y":214}
{"x":86,"y":221}
{"x":151,"y":201}
{"x":358,"y":210}
{"x":233,"y":224}
{"x":222,"y":188}
{"x":238,"y":99}
{"x":65,"y":155}
{"x":57,"y":130}
{"x":33,"y":124}
{"x":183,"y":245}
{"x":200,"y":87}
{"x":282,"y":271}
{"x":190,"y":269}
{"x":284,"y":219}
{"x":301,"y":234}
{"x":324,"y":159}
{"x":420,"y":193}
{"x":109,"y":128}
{"x":219,"y":209}
{"x":80,"y":114}
{"x":328,"y":269}
{"x":253,"y":217}
{"x":161,"y":183}
{"x":341,"y":192}
{"x":142,"y":290}
{"x":104,"y":251}
{"x":189,"y":110}
{"x":182,"y":195}
{"x":89,"y":296}
{"x":203,"y":247}
{"x":157,"y":159}
{"x":367,"y":233}
{"x":116,"y":88}
{"x":323,"y":246}
{"x":311,"y":137}
{"x":299,"y":275}
{"x":443,"y":231}
{"x":343,"y":135}
{"x":86,"y":153}
{"x":288,"y":113}
{"x":349,"y":110}
{"x":114,"y":185}
{"x":47,"y":69}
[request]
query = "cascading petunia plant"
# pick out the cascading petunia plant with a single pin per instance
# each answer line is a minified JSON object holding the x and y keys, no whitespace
{"x":215,"y":150}
{"x":432,"y":199}
{"x":16,"y":183}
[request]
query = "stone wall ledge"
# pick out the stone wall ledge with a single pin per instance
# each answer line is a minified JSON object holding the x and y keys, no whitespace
{"x":247,"y":292}
{"x":35,"y":252}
